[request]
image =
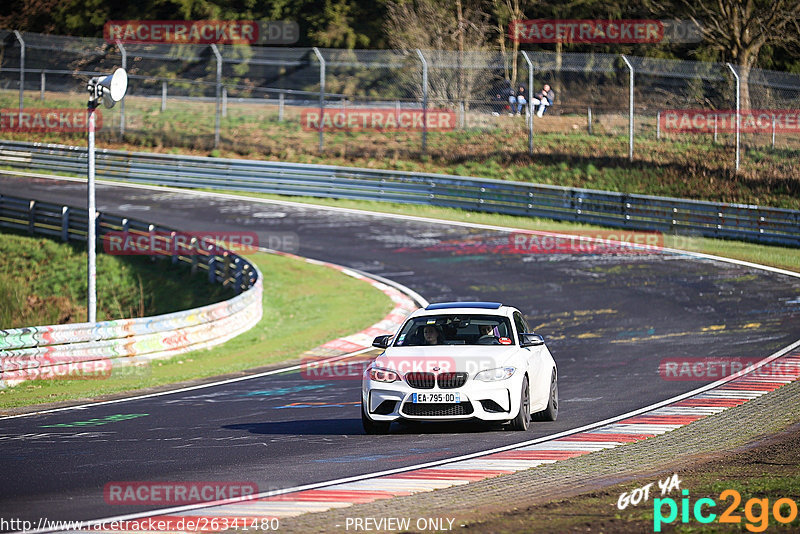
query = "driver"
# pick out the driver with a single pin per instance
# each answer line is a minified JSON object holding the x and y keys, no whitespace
{"x":432,"y":335}
{"x":487,"y":334}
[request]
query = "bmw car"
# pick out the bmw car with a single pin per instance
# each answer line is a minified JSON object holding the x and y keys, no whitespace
{"x":456,"y":361}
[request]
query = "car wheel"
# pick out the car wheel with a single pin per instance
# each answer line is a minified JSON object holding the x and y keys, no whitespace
{"x":551,"y":412}
{"x":523,"y":418}
{"x":373,"y":427}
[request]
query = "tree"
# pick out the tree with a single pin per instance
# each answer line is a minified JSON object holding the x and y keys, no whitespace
{"x":439,"y":28}
{"x":738,"y":30}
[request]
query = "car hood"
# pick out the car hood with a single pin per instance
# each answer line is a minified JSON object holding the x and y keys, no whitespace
{"x":454,"y":358}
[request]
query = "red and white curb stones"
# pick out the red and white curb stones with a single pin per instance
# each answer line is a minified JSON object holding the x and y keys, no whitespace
{"x":403,"y":306}
{"x":734,"y":392}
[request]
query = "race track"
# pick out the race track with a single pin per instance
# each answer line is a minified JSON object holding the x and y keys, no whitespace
{"x":608,"y":320}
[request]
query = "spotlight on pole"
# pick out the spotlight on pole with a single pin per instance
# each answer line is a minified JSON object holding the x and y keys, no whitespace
{"x":110,"y":89}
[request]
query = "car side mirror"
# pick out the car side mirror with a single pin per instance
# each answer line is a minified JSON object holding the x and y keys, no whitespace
{"x":531,"y":340}
{"x":381,"y":342}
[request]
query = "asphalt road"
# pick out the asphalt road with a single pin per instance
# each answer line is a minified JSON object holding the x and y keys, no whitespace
{"x":608,"y":320}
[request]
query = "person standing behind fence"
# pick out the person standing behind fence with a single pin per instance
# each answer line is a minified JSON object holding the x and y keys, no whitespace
{"x":543,"y":98}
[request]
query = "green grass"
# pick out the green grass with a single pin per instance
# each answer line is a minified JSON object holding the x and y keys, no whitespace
{"x":686,"y":166}
{"x":44,"y":282}
{"x":304,"y":306}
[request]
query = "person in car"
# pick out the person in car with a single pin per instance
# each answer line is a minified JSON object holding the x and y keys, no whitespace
{"x":432,"y":335}
{"x":487,"y":335}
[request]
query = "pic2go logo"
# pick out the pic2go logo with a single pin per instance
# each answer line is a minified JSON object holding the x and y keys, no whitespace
{"x":756,"y":511}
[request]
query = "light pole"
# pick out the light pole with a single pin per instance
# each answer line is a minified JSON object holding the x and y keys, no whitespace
{"x":110,"y":89}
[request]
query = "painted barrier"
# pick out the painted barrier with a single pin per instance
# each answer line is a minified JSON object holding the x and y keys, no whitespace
{"x":38,"y":351}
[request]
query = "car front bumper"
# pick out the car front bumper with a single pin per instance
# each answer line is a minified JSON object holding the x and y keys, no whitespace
{"x":486,"y":401}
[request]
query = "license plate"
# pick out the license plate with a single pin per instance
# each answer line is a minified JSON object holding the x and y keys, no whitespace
{"x":435,"y":398}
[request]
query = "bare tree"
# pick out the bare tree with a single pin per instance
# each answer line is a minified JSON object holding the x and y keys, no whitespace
{"x":506,"y":12}
{"x":453,"y":35}
{"x":740,"y":29}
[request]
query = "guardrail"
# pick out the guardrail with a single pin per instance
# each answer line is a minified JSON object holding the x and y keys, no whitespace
{"x":635,"y":212}
{"x":94,"y":349}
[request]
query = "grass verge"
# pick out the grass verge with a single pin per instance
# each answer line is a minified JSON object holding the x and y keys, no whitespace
{"x":304,"y":306}
{"x":44,"y":281}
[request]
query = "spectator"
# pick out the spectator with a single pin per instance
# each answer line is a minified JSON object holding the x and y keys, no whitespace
{"x":543,"y":98}
{"x":521,"y":99}
{"x":500,"y":95}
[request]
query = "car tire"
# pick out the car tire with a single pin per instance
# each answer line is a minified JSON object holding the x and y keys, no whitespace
{"x":373,"y":427}
{"x":551,"y":412}
{"x":522,"y":421}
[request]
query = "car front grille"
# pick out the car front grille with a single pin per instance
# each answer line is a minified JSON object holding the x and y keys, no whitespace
{"x":419,"y":380}
{"x":437,"y":410}
{"x":451,"y":380}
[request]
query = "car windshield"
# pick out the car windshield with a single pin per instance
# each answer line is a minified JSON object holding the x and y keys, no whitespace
{"x":456,"y":330}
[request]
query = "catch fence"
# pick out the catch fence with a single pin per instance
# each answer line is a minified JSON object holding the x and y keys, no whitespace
{"x":252,"y":98}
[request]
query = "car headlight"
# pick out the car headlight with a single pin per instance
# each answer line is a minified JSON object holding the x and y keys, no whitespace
{"x":492,"y":375}
{"x":382,"y":375}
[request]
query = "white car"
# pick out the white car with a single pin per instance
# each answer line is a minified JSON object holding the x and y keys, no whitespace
{"x":456,"y":361}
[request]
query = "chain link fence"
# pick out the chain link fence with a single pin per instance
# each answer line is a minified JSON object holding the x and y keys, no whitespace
{"x":259,"y":99}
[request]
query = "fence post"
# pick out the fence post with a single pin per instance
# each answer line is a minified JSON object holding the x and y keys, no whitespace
{"x":219,"y":94}
{"x":124,"y":54}
{"x":424,"y":100}
{"x":281,"y":98}
{"x":715,"y":128}
{"x":64,"y":223}
{"x":773,"y":131}
{"x":589,"y":119}
{"x":32,"y":217}
{"x":224,"y":101}
{"x":658,"y":125}
{"x":41,"y":86}
{"x":630,"y":108}
{"x":321,"y":98}
{"x":21,"y":74}
{"x":530,"y":97}
{"x":738,"y":111}
{"x":164,"y":96}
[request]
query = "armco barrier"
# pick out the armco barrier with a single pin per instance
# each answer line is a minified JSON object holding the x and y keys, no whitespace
{"x":39,"y":351}
{"x":635,"y":212}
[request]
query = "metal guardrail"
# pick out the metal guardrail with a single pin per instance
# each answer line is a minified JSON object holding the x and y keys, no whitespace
{"x":55,"y":351}
{"x":635,"y":212}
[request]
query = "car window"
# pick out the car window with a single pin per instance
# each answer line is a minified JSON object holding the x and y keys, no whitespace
{"x":452,"y":329}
